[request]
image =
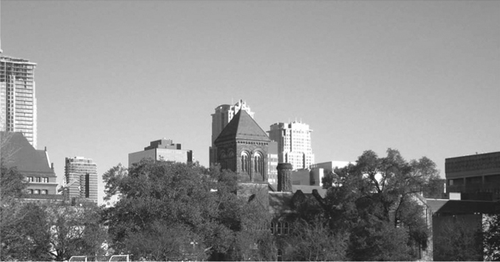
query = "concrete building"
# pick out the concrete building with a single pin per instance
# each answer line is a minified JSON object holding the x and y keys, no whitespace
{"x":33,"y":164}
{"x":475,"y":177}
{"x":81,"y":179}
{"x":314,"y":175}
{"x":294,"y":144}
{"x":272,"y":163}
{"x":18,"y":111}
{"x":162,"y":149}
{"x":222,"y":116}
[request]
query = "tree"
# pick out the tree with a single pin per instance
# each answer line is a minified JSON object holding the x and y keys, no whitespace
{"x":457,"y":240}
{"x":74,"y":230}
{"x":199,"y":205}
{"x":25,"y":234}
{"x":12,"y":183}
{"x":373,"y":200}
{"x":314,"y":242}
{"x":491,"y":238}
{"x":112,"y":179}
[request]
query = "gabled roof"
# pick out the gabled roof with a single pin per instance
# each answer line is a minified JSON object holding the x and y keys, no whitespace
{"x":18,"y":152}
{"x":242,"y":127}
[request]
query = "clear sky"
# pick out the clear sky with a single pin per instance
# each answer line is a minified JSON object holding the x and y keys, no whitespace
{"x":419,"y":76}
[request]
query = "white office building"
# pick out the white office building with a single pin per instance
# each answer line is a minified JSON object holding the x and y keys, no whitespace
{"x":294,"y":144}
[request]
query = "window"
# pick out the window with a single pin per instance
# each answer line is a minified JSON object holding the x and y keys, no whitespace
{"x":46,"y":180}
{"x":44,"y":192}
{"x":36,"y":192}
{"x":245,"y":162}
{"x":280,"y":228}
{"x":38,"y":179}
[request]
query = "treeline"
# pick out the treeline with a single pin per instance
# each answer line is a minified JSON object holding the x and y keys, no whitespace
{"x":173,"y":211}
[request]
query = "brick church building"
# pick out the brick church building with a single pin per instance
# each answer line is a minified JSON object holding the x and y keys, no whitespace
{"x":242,"y":147}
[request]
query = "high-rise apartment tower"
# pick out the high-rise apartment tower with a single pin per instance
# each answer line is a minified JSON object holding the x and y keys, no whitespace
{"x":81,"y":178}
{"x":294,"y":143}
{"x":222,"y":116}
{"x":17,"y":97}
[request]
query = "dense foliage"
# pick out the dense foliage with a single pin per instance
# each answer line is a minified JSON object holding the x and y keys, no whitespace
{"x":375,"y":202}
{"x":174,"y":211}
{"x":373,"y":210}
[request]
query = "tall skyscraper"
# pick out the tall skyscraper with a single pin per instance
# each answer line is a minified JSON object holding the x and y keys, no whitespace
{"x":294,"y":143}
{"x":222,"y":116}
{"x":81,"y":178}
{"x":17,"y":97}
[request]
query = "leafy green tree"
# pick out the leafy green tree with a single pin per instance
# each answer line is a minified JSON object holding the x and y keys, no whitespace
{"x":112,"y":179}
{"x":25,"y":234}
{"x":314,"y":242}
{"x":19,"y":233}
{"x":197,"y":205}
{"x":457,"y":240}
{"x":75,"y":230}
{"x":12,"y":183}
{"x":374,"y":199}
{"x":491,"y":238}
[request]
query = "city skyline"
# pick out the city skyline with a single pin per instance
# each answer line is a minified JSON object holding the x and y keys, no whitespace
{"x":420,"y":77}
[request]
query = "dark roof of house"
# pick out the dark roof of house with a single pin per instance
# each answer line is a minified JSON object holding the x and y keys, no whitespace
{"x":446,"y":206}
{"x":18,"y":152}
{"x":309,"y":189}
{"x":280,"y":202}
{"x":242,"y":127}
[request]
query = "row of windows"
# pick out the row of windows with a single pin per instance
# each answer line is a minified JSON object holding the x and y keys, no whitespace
{"x":37,"y":179}
{"x":280,"y":228}
{"x":38,"y":191}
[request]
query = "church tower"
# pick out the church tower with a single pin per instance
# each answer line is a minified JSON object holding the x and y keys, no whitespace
{"x":242,"y":147}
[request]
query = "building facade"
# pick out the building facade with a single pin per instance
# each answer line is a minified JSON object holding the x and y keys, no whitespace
{"x":33,"y":164}
{"x":222,"y":116}
{"x":81,"y":179}
{"x":294,"y":144}
{"x":476,"y":177}
{"x":242,"y":147}
{"x":272,"y":163}
{"x":162,"y":150}
{"x":18,"y":111}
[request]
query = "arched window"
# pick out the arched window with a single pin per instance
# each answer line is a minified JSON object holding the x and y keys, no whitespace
{"x":222,"y":159}
{"x":245,"y":162}
{"x":258,"y":163}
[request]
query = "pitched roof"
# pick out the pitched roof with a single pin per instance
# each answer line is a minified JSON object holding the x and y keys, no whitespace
{"x":18,"y":152}
{"x":242,"y":127}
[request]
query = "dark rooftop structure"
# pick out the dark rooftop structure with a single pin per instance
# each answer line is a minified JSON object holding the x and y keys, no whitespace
{"x":242,"y":127}
{"x":32,"y":163}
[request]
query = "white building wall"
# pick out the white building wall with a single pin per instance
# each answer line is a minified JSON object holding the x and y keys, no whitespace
{"x":294,"y":143}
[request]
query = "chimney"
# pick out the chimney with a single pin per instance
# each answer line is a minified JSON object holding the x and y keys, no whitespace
{"x":284,"y":177}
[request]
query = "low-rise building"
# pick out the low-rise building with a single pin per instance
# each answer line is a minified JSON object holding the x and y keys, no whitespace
{"x":33,"y":164}
{"x":162,"y":150}
{"x":476,"y":177}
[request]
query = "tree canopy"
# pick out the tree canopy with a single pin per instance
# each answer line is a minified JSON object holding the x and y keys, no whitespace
{"x":162,"y":199}
{"x":376,"y":202}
